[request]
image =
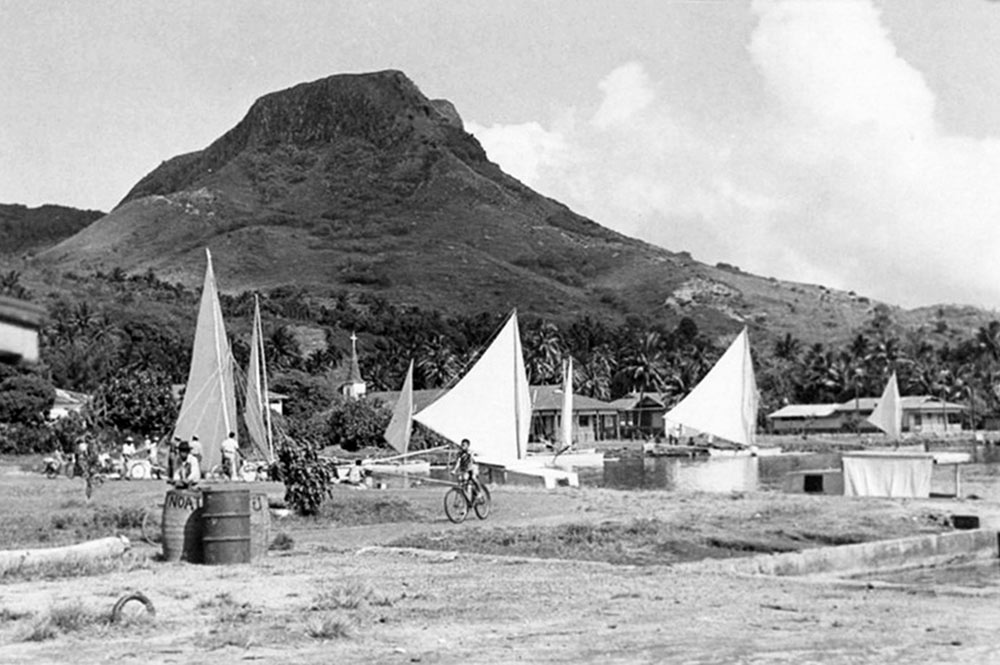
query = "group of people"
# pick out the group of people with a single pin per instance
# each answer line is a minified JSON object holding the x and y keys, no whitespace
{"x":186,"y":457}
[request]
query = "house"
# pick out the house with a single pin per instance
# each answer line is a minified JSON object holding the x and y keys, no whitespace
{"x":641,"y":414}
{"x":800,"y":418}
{"x":593,"y":420}
{"x":67,"y":402}
{"x":921,"y":414}
{"x":19,"y":325}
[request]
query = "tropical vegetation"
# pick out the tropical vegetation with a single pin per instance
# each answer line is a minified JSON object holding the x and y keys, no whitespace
{"x":126,"y":339}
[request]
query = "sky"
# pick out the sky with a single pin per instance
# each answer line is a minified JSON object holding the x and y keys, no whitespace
{"x":849,"y":143}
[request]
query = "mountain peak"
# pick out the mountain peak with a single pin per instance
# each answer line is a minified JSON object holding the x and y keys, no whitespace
{"x":383,"y":109}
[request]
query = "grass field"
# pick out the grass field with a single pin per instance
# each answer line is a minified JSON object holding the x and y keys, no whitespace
{"x":569,"y":575}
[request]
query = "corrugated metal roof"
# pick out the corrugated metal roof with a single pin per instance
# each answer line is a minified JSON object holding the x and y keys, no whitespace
{"x":805,"y":411}
{"x":632,"y":401}
{"x":549,"y":398}
{"x":909,"y":403}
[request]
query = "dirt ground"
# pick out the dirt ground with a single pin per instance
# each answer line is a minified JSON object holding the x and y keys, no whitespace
{"x":337,"y":596}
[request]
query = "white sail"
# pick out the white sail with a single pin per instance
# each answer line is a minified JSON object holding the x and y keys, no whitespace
{"x":724,"y":403}
{"x":567,"y":407}
{"x":208,"y":410}
{"x":888,"y":413}
{"x":397,"y":433}
{"x":490,"y":405}
{"x":255,"y":412}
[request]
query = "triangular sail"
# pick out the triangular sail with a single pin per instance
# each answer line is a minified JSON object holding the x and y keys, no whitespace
{"x":256,"y":408}
{"x":724,"y":403}
{"x":567,"y":407}
{"x":397,"y":434}
{"x":490,"y":405}
{"x":888,"y":413}
{"x":208,"y":410}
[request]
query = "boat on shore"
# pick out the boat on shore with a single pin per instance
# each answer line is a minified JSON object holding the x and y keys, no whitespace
{"x":491,"y":407}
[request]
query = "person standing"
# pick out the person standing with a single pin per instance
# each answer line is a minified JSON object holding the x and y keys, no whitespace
{"x":230,"y":456}
{"x":128,"y":450}
{"x":195,"y":446}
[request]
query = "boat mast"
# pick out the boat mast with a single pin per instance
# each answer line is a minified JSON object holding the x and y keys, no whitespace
{"x":517,"y":405}
{"x":219,"y":346}
{"x":263,"y":372}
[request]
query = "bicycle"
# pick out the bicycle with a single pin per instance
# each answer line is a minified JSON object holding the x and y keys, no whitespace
{"x":470,"y":493}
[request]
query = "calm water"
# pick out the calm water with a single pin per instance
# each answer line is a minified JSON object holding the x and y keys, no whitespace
{"x":719,"y":474}
{"x":746,"y":474}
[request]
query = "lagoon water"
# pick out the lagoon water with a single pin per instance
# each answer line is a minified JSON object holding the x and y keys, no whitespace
{"x":718,"y":474}
{"x":746,"y":474}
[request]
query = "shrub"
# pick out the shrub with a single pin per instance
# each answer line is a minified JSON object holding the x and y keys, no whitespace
{"x":354,"y":424}
{"x":308,"y":479}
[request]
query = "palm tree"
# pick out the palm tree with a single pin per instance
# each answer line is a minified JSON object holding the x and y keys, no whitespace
{"x":988,"y":338}
{"x":787,"y":348}
{"x":592,"y":377}
{"x":543,"y":352}
{"x":642,"y":367}
{"x":437,"y":362}
{"x":282,"y":349}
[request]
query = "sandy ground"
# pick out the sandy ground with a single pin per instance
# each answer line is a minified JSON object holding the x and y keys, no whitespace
{"x":440,"y":607}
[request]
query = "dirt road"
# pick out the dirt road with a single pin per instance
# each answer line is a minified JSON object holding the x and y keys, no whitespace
{"x":335,"y":598}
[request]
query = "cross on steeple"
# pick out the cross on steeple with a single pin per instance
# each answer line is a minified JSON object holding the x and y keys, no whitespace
{"x":355,"y":386}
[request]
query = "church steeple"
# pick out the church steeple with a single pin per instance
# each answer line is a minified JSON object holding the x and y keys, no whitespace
{"x":355,"y":386}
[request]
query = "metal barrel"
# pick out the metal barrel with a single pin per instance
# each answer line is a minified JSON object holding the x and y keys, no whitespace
{"x":181,"y":526}
{"x":226,"y":525}
{"x":260,"y":525}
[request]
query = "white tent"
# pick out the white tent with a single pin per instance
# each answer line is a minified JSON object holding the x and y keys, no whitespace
{"x":889,"y":474}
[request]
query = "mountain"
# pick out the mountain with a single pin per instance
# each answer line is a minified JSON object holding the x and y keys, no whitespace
{"x":360,"y":182}
{"x":25,"y":229}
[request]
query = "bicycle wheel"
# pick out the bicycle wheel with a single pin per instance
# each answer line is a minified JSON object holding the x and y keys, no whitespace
{"x":456,"y":506}
{"x":484,"y":502}
{"x":151,"y":528}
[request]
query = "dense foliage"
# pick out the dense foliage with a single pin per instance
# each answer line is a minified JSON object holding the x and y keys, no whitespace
{"x":136,"y":401}
{"x":126,"y":338}
{"x":355,"y":424}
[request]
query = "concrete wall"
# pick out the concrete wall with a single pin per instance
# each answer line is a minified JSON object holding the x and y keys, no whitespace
{"x":845,"y":560}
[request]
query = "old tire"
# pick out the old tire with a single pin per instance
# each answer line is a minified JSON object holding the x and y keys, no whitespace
{"x":117,"y":612}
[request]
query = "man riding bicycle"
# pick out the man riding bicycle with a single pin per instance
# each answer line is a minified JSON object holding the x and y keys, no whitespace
{"x":466,"y":469}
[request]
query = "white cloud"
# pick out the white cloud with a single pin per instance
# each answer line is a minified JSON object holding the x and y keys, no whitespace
{"x":522,"y":150}
{"x":627,"y":91}
{"x":844,"y":176}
